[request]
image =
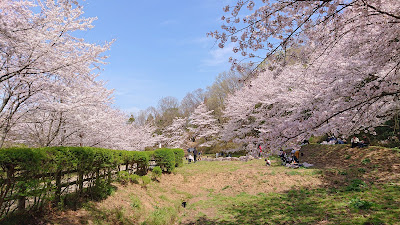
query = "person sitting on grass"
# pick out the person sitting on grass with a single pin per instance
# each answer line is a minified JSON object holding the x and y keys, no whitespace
{"x":364,"y":143}
{"x":340,"y":141}
{"x":190,"y":158}
{"x":295,"y":155}
{"x":354,"y":141}
{"x":283,"y":157}
{"x":267,"y":162}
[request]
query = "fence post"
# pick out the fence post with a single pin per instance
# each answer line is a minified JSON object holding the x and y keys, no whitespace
{"x":21,"y":203}
{"x":9,"y":185}
{"x":97,"y":176}
{"x":109,"y":171}
{"x":58,"y":187}
{"x":80,"y":181}
{"x":22,"y":198}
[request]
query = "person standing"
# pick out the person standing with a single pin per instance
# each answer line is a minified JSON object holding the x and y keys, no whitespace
{"x":259,"y":151}
{"x":195,"y":154}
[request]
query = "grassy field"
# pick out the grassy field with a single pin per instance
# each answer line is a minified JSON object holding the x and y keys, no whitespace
{"x":252,"y":193}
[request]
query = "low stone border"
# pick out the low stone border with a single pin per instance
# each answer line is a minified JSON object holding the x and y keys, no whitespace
{"x":241,"y":158}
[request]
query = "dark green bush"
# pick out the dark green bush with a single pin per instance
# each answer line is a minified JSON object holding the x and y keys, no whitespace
{"x":142,"y":161}
{"x":165,"y":158}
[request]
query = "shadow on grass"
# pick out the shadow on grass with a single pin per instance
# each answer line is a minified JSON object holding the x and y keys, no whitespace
{"x":294,"y":207}
{"x":341,"y":164}
{"x":72,"y":201}
{"x":314,"y":206}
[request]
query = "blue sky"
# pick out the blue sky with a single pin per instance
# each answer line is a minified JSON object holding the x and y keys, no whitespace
{"x":161,"y":48}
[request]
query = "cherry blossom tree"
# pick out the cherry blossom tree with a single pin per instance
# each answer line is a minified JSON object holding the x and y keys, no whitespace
{"x":261,"y":28}
{"x":175,"y":135}
{"x":202,"y":124}
{"x":40,"y":55}
{"x":143,"y":136}
{"x":343,"y":74}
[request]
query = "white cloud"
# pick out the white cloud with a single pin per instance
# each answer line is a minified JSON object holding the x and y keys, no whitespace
{"x":219,"y":56}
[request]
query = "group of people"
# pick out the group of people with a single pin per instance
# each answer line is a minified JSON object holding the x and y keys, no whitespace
{"x":293,"y":157}
{"x":355,"y":142}
{"x":195,"y":157}
{"x":334,"y":141}
{"x":222,"y":154}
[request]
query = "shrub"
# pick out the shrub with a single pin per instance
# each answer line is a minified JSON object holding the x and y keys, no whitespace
{"x":134,"y":178}
{"x":123,"y":177}
{"x":145,"y":181}
{"x":101,"y":191}
{"x":156,"y":173}
{"x":142,"y":161}
{"x":165,"y":158}
{"x":179,"y":154}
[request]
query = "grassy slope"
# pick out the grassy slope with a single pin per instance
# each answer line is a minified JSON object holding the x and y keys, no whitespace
{"x":348,"y":186}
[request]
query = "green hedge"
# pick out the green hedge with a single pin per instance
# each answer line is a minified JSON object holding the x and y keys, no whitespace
{"x":165,"y":159}
{"x":179,"y":154}
{"x":38,"y":172}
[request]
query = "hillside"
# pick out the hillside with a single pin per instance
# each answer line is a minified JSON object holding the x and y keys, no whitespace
{"x":346,"y":186}
{"x":342,"y":163}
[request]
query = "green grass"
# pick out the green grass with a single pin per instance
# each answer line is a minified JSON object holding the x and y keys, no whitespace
{"x":162,"y":216}
{"x":365,"y":161}
{"x":207,"y":167}
{"x":307,"y":206}
{"x":135,"y":202}
{"x":396,"y":149}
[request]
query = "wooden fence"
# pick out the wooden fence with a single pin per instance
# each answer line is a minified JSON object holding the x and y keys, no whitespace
{"x":31,"y":178}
